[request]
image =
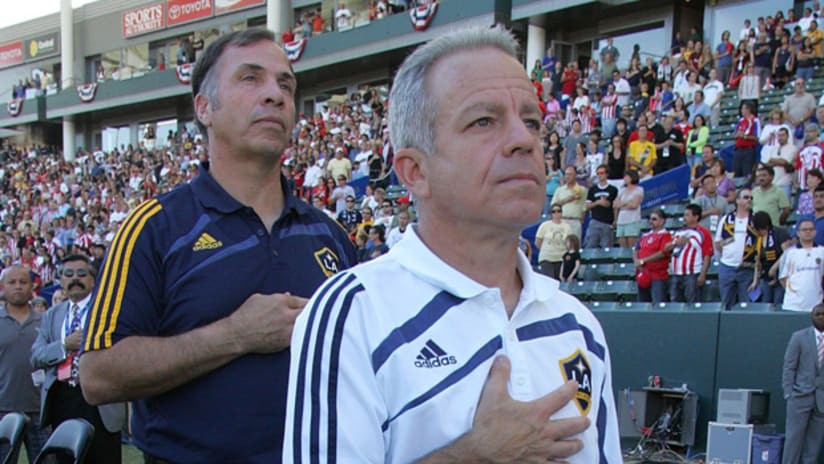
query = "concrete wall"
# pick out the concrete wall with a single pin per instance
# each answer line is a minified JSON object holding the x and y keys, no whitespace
{"x":706,"y":350}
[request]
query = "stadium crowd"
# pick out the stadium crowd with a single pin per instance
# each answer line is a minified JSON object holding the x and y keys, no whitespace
{"x":606,"y":130}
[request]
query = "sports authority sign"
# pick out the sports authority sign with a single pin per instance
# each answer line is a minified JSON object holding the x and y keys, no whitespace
{"x":184,"y":11}
{"x":228,"y":6}
{"x":11,"y":53}
{"x":144,"y":19}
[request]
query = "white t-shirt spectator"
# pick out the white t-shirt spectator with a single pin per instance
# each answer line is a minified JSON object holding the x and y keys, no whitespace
{"x":802,"y":267}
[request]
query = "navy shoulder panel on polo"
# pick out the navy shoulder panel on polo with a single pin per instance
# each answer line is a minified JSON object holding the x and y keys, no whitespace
{"x":192,"y":257}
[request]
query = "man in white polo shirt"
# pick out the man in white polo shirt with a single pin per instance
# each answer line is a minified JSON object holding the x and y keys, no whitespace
{"x":450,"y":348}
{"x":801,"y":270}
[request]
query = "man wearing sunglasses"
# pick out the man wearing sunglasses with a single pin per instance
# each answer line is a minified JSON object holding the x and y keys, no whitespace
{"x":56,"y":351}
{"x":736,"y":241}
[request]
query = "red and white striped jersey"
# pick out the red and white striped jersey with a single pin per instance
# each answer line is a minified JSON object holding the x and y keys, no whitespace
{"x":46,"y":271}
{"x":691,"y":257}
{"x":84,"y":240}
{"x":608,"y":104}
{"x":811,"y":156}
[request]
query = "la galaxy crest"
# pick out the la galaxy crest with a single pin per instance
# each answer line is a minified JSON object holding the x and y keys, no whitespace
{"x":576,"y":367}
{"x":328,"y":261}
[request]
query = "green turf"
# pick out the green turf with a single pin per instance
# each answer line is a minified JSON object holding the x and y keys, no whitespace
{"x":131,"y":455}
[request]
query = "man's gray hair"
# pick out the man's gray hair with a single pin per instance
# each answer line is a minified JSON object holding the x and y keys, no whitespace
{"x":412,"y":111}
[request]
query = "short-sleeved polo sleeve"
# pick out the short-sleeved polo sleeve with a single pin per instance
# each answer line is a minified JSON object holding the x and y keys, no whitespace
{"x":125,"y":301}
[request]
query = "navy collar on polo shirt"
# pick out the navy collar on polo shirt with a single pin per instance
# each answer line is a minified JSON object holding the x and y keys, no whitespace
{"x":213,"y":195}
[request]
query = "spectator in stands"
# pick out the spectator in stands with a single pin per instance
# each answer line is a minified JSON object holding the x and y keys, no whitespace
{"x":691,"y":251}
{"x":774,"y":240}
{"x":736,"y":242}
{"x":340,"y":194}
{"x":723,"y":57}
{"x":400,"y":231}
{"x":599,"y":203}
{"x":762,"y":59}
{"x":633,"y":75}
{"x":782,"y":158}
{"x":746,"y":139}
{"x":768,"y":197}
{"x":609,"y":114}
{"x":816,"y":37}
{"x":810,"y":156}
{"x":571,"y":196}
{"x":679,"y":112}
{"x":569,"y":79}
{"x":367,"y":221}
{"x":783,"y":62}
{"x":571,"y":262}
{"x":689,"y":88}
{"x":669,"y":145}
{"x":610,"y":50}
{"x":595,"y":79}
{"x":575,"y":137}
{"x":348,"y":216}
{"x":551,"y":240}
{"x":741,"y":58}
{"x":713,"y":206}
{"x":713,"y":91}
{"x":749,"y":89}
{"x":318,"y":203}
{"x":548,"y":67}
{"x":642,"y":154}
{"x":581,"y":165}
{"x":650,"y":256}
{"x":805,"y":199}
{"x":801,"y":271}
{"x":698,"y":107}
{"x":377,"y":236}
{"x":701,"y":167}
{"x":622,"y":89}
{"x":616,"y":160}
{"x":695,"y":142}
{"x":628,"y":210}
{"x":343,"y":18}
{"x":805,"y":59}
{"x":339,"y":165}
{"x":799,"y":106}
{"x":768,"y":137}
{"x":679,"y":80}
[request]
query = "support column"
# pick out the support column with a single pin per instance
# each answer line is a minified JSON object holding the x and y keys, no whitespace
{"x":535,"y":45}
{"x":67,"y":72}
{"x":278,"y":17}
{"x":134,"y":134}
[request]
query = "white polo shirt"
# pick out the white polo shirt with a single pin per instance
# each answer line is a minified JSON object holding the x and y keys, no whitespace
{"x":803,"y":270}
{"x":389,"y":360}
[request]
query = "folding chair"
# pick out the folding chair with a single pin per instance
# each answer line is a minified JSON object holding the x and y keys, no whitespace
{"x":72,"y":437}
{"x":12,"y":430}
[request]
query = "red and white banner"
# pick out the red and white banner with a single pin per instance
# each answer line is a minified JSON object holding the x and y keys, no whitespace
{"x":227,"y":6}
{"x":87,"y":92}
{"x":15,"y":107}
{"x":184,"y":11}
{"x":11,"y":53}
{"x":144,"y":19}
{"x":294,"y":49}
{"x":184,"y":73}
{"x":422,"y":16}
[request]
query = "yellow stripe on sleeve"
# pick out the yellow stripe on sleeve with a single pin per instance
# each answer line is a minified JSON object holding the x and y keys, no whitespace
{"x":108,"y":279}
{"x":124,"y":274}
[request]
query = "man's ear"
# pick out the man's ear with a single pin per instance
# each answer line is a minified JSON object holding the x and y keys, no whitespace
{"x":411,"y":167}
{"x":202,"y":110}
